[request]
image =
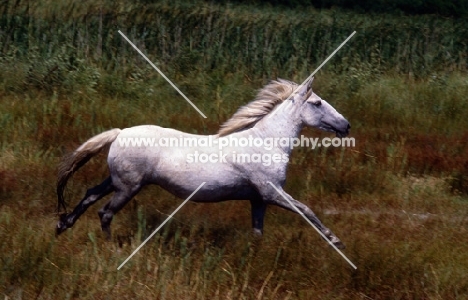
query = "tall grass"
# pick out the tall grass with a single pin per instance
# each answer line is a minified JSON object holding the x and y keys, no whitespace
{"x":55,"y":37}
{"x":398,"y":199}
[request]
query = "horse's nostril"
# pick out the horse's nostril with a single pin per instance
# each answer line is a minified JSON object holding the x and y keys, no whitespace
{"x":349,"y":126}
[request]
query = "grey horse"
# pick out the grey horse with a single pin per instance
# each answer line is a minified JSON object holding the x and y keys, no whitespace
{"x":235,"y":164}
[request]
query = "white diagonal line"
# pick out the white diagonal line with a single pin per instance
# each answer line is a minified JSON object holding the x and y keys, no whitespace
{"x":311,"y":224}
{"x":157,"y":229}
{"x":316,"y":70}
{"x":162,"y":74}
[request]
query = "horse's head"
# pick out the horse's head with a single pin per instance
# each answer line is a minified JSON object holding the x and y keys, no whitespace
{"x":316,"y":112}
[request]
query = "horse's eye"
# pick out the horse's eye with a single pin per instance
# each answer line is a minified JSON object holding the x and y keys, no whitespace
{"x":317,"y":103}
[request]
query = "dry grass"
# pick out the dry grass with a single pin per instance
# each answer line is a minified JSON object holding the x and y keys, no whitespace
{"x":404,"y":232}
{"x":398,"y":199}
{"x":414,"y":250}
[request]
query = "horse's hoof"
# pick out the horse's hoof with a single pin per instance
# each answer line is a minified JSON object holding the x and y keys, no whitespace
{"x":61,"y":224}
{"x":61,"y":227}
{"x":337,"y":243}
{"x":257,"y":233}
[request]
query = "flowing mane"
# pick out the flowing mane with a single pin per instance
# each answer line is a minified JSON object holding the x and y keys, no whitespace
{"x":199,"y":167}
{"x":267,"y":99}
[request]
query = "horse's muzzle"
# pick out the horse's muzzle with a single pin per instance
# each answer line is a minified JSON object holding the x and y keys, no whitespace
{"x":344,"y":132}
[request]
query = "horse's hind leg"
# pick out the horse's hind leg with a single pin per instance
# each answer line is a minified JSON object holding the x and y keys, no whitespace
{"x":92,"y":195}
{"x":117,"y":202}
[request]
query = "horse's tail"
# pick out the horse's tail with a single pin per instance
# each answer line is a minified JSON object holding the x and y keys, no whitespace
{"x":72,"y":162}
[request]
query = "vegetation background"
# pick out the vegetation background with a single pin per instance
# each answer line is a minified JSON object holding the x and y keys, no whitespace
{"x":450,"y":8}
{"x":399,"y":199}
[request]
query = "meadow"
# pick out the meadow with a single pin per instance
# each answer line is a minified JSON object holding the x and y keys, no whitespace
{"x":398,"y":200}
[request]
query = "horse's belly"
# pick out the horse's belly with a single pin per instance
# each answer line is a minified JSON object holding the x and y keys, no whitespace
{"x":217,"y":184}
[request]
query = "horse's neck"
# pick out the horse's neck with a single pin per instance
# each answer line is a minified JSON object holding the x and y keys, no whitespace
{"x":285,"y":123}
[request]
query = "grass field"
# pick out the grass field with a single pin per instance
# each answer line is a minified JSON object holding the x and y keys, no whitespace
{"x":398,"y":200}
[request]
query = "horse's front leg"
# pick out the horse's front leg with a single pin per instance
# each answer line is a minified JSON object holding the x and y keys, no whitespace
{"x":272,"y":196}
{"x":258,"y":214}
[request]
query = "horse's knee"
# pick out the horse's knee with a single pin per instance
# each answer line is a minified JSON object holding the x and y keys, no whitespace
{"x":106,"y":216}
{"x":101,"y":212}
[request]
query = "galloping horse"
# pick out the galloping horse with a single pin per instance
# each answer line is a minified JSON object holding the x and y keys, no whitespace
{"x":180,"y":169}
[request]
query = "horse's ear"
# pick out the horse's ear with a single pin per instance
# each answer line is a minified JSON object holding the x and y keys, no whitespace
{"x":304,"y":88}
